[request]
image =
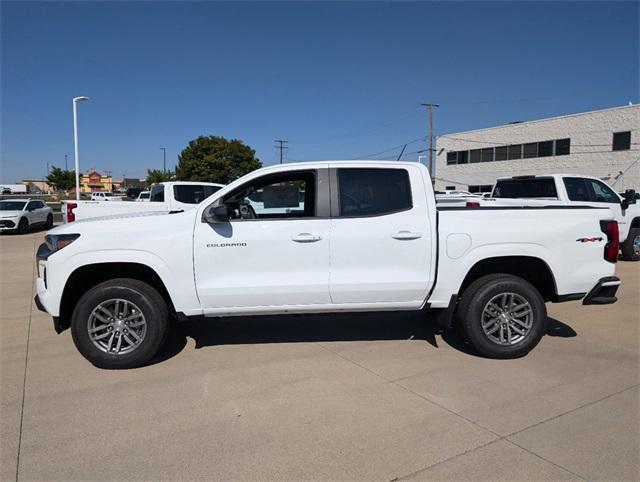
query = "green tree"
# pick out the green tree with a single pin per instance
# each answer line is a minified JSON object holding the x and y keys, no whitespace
{"x":60,"y":179}
{"x":156,"y":175}
{"x":216,"y":159}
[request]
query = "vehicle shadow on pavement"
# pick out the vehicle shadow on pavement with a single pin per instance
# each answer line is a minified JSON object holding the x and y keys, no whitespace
{"x":374,"y":326}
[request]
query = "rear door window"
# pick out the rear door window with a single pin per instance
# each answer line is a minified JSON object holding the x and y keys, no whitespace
{"x":373,"y":192}
{"x":526,"y":188}
{"x":193,"y":193}
{"x":157,"y":194}
{"x":576,"y":189}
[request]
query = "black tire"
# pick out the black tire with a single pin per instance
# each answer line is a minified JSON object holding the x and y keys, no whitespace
{"x":150,"y":303}
{"x":23,"y":226}
{"x":49,"y":223}
{"x":472,"y":304}
{"x":627,"y":248}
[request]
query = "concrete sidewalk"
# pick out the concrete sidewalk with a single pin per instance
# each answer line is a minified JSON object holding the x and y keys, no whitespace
{"x":367,"y":396}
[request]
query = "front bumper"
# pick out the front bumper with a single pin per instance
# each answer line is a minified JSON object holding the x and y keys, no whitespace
{"x":8,"y":224}
{"x":604,"y":292}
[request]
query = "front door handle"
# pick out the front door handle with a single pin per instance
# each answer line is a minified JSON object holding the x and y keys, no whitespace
{"x":306,"y":238}
{"x":406,"y":235}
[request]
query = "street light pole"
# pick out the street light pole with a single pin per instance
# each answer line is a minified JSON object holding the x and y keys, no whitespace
{"x":164,"y":159}
{"x":75,"y":141}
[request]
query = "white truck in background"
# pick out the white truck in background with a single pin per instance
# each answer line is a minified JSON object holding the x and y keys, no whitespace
{"x":574,"y":190}
{"x":324,"y":237}
{"x":165,"y":197}
{"x":105,"y":196}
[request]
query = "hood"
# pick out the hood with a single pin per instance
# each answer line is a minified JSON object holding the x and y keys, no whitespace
{"x":93,"y":223}
{"x":10,"y":214}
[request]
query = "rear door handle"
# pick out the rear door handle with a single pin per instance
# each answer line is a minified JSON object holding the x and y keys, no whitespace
{"x":406,"y":235}
{"x":306,"y":238}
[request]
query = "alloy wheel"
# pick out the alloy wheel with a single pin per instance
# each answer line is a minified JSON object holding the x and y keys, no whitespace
{"x":117,"y":326}
{"x":507,"y":318}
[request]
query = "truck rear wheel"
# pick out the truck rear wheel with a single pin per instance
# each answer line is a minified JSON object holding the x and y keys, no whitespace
{"x":121,"y":323}
{"x":631,"y":247}
{"x":502,"y":316}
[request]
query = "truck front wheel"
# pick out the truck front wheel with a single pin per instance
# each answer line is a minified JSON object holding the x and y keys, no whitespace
{"x":121,"y":323}
{"x":502,"y":316}
{"x":631,"y":247}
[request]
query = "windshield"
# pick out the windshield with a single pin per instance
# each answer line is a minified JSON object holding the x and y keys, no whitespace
{"x":193,"y":193}
{"x":11,"y":206}
{"x":526,"y":188}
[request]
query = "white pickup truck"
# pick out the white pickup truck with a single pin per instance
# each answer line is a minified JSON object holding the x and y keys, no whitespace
{"x":164,"y":197}
{"x":576,"y":190}
{"x":366,"y":237}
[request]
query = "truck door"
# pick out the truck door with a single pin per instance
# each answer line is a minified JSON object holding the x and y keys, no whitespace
{"x":597,"y":193}
{"x":273,"y":252}
{"x":380,"y":236}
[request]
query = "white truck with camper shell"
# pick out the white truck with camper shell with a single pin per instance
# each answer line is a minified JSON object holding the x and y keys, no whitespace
{"x":164,"y":197}
{"x":576,"y":190}
{"x":366,"y":236}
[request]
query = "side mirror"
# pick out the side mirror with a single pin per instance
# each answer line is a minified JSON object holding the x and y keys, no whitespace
{"x":624,"y":204}
{"x":217,"y":214}
{"x":631,"y":196}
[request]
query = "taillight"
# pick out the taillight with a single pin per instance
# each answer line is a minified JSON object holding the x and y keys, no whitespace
{"x":610,"y":228}
{"x":71,"y":217}
{"x":473,"y":204}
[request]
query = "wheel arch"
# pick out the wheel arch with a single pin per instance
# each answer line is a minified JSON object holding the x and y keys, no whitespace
{"x":535,"y":270}
{"x":87,"y":276}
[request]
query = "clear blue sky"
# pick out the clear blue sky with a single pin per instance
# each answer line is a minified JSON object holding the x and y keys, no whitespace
{"x":338,"y":80}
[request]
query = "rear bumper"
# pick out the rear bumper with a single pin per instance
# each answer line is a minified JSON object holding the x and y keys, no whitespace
{"x":604,"y":292}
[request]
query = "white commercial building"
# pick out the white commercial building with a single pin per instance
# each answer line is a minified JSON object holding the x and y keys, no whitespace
{"x":603,"y":143}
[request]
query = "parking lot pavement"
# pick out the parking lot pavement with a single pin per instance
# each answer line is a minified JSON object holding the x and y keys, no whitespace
{"x":367,"y":396}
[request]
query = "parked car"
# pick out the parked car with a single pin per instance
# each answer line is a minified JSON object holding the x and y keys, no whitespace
{"x":20,"y":214}
{"x":105,"y":196}
{"x":143,"y":196}
{"x":576,"y":190}
{"x":366,"y":237}
{"x":163,"y":197}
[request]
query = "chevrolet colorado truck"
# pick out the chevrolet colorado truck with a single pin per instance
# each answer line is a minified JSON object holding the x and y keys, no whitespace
{"x":573,"y":189}
{"x":164,"y":197}
{"x":325,"y":237}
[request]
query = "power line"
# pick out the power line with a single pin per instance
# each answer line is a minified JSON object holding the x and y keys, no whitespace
{"x":282,"y":147}
{"x":430,"y":106}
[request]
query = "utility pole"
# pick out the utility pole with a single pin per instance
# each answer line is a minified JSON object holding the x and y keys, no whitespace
{"x":66,"y":168}
{"x":164,"y":159}
{"x":431,"y":105}
{"x":282,"y":147}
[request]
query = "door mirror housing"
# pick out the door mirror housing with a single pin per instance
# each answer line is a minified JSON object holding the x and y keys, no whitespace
{"x":217,"y":214}
{"x":631,"y":196}
{"x":624,"y":204}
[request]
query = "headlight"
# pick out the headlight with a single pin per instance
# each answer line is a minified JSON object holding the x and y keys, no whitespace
{"x":55,"y":242}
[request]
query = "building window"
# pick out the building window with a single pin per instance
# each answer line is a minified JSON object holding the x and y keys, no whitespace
{"x":545,"y":149}
{"x":622,"y":141}
{"x":515,"y":151}
{"x":475,"y":155}
{"x":530,"y":150}
{"x":563,"y":147}
{"x":463,"y":157}
{"x":501,"y":153}
{"x":450,"y":188}
{"x":487,"y":154}
{"x":452,"y":157}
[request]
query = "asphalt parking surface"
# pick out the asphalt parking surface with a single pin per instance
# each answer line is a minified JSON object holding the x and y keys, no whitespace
{"x":367,"y":396}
